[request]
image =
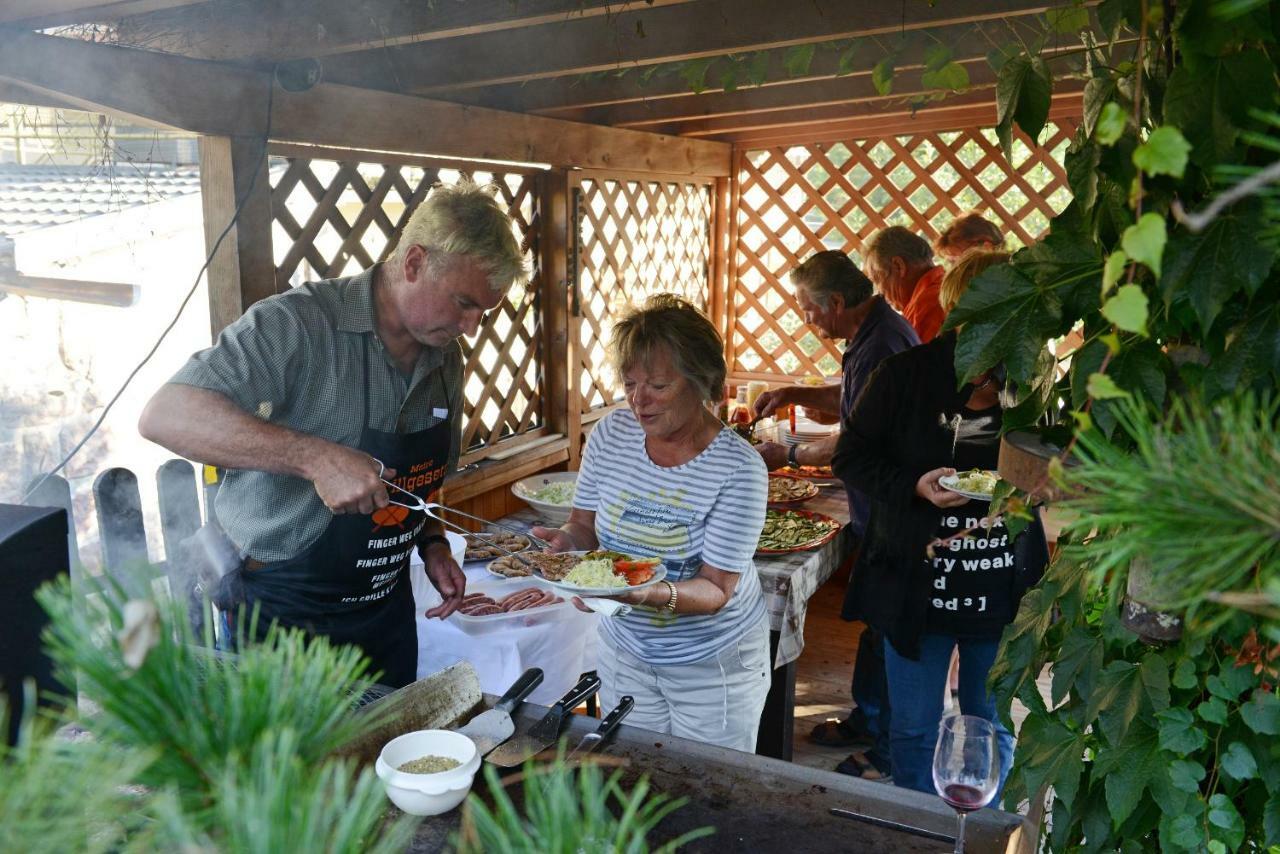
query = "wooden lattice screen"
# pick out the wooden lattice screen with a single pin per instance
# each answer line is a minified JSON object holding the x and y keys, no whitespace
{"x":796,"y":200}
{"x":636,"y":237}
{"x":337,"y":215}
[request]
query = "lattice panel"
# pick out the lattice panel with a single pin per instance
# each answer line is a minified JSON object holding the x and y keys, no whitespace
{"x":798,"y":200}
{"x":636,"y":238}
{"x":339,"y":216}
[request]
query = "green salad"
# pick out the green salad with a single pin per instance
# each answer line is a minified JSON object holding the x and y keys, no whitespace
{"x":554,"y":493}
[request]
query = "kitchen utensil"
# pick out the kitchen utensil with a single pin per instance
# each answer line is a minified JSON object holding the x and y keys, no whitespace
{"x":491,"y":728}
{"x":545,"y":732}
{"x":592,"y":741}
{"x":892,"y":825}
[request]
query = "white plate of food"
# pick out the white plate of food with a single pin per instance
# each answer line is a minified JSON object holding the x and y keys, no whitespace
{"x":978,"y":484}
{"x":597,"y":573}
{"x":484,"y":545}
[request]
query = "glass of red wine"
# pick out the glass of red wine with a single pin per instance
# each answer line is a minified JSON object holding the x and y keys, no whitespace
{"x":966,"y":766}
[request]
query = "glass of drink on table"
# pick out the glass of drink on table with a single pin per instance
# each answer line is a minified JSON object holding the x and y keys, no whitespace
{"x":966,"y":766}
{"x":755,"y":388}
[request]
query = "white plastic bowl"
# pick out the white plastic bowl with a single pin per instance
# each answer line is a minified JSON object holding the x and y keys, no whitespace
{"x":553,"y":514}
{"x":428,"y":794}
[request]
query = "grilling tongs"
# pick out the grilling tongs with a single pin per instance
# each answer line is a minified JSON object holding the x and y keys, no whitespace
{"x":434,"y":510}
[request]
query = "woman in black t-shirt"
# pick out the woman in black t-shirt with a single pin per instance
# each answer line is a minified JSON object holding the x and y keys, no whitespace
{"x":914,"y":424}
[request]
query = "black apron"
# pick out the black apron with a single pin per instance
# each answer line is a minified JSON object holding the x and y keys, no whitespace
{"x":352,"y":585}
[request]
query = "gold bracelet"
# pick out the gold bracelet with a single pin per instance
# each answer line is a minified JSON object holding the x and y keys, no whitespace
{"x":672,"y":598}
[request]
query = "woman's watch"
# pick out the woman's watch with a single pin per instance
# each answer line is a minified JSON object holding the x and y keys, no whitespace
{"x":791,"y":457}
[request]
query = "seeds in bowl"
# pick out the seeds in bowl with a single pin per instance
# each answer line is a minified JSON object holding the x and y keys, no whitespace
{"x":429,"y":765}
{"x":483,"y":546}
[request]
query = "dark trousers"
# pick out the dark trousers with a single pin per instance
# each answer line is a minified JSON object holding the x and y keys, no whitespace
{"x":870,"y":689}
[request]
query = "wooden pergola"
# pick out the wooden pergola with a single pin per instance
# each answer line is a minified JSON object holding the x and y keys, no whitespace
{"x":622,"y":179}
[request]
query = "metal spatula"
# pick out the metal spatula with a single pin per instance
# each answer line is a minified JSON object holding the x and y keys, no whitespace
{"x":545,"y":732}
{"x":491,"y":728}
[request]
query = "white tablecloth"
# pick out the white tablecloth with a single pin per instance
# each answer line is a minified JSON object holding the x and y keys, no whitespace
{"x":561,"y":641}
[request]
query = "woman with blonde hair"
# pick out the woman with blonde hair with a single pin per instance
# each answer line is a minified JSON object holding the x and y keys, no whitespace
{"x":664,"y":478}
{"x":941,"y":574}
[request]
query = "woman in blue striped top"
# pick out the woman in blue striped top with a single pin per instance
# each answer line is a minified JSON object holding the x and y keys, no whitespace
{"x":664,"y":478}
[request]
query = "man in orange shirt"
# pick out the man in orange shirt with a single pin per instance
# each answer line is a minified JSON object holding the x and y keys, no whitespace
{"x":900,"y":263}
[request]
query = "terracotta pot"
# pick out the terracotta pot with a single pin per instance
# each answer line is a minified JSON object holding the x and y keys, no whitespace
{"x":1024,"y":462}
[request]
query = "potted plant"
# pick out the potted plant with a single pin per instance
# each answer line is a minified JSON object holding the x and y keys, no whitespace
{"x":1164,"y":267}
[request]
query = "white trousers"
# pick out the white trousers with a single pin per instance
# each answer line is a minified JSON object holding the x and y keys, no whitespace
{"x":716,"y":701}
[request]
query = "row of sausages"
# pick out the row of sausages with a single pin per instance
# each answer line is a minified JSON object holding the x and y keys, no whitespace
{"x":480,"y":605}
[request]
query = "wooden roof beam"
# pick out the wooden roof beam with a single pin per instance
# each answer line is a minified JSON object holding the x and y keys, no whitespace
{"x":668,"y":34}
{"x":277,"y":30}
{"x":225,"y":100}
{"x":955,"y":114}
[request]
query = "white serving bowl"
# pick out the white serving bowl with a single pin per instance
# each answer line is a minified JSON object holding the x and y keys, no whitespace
{"x":553,"y":514}
{"x":428,"y":794}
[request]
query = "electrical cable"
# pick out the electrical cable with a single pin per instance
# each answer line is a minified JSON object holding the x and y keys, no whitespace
{"x":217,"y":244}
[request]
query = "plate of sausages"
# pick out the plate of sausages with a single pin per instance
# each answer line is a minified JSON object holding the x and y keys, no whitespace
{"x":482,"y":605}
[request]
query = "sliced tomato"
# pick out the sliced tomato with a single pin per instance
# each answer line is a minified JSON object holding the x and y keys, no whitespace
{"x":621,"y":566}
{"x":638,"y":576}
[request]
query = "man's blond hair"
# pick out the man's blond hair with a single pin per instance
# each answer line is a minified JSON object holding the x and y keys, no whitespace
{"x":464,"y":220}
{"x":970,"y":265}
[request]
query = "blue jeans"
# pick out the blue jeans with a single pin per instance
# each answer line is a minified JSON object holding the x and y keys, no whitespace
{"x":915,"y":692}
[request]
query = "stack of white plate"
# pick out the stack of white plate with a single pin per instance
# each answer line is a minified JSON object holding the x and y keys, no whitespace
{"x":806,"y":431}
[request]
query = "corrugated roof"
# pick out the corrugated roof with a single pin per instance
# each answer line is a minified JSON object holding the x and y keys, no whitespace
{"x":35,"y":197}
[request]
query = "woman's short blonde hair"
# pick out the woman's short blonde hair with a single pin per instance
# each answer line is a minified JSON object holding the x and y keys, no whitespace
{"x":667,"y":322}
{"x":969,"y":231}
{"x":464,"y":219}
{"x":957,"y":279}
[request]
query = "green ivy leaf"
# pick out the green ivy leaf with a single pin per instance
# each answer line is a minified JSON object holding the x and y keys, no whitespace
{"x":1065,"y":262}
{"x":1262,"y":713}
{"x":1182,"y":833}
{"x":1238,"y":762}
{"x":1207,"y":269}
{"x":1024,"y":89}
{"x":1080,"y":655}
{"x":1098,"y":92}
{"x":1081,"y":165}
{"x":1113,"y":270}
{"x":1116,"y":699}
{"x":936,"y":56}
{"x":1209,"y":98}
{"x":1005,"y":317}
{"x":1252,"y":359}
{"x":1110,"y":125}
{"x":758,"y":67}
{"x":1139,"y":369}
{"x":694,"y":73}
{"x":1213,"y":710}
{"x":798,"y":59}
{"x":845,"y":64}
{"x":1128,"y":309}
{"x":1186,"y":775}
{"x":1184,"y":675}
{"x":1144,"y":241}
{"x":1129,"y":768}
{"x":729,"y":77}
{"x":1067,"y":19}
{"x":1164,"y":153}
{"x":1217,"y":846}
{"x":1102,"y":387}
{"x":1271,"y":820}
{"x":1053,"y":756}
{"x":1224,"y":816}
{"x":1179,"y":733}
{"x":952,"y":76}
{"x":1155,"y":679}
{"x":882,"y":75}
{"x":997,"y":57}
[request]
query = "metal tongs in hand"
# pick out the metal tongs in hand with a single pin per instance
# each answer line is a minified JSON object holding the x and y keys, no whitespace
{"x":434,"y":510}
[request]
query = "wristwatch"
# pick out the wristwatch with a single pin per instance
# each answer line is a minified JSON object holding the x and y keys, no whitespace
{"x":791,"y":457}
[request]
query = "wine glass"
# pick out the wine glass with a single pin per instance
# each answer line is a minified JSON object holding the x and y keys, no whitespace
{"x":966,"y":766}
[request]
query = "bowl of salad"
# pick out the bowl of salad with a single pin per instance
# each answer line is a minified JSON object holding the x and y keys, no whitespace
{"x":551,"y":494}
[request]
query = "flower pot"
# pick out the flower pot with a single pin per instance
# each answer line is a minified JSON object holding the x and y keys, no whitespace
{"x":1024,"y":462}
{"x":1142,"y":612}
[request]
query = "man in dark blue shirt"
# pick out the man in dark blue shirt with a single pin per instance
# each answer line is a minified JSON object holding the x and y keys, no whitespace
{"x":839,"y":300}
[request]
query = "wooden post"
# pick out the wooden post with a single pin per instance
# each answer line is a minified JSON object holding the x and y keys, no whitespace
{"x":730,"y":320}
{"x":560,"y":393}
{"x":233,"y":172}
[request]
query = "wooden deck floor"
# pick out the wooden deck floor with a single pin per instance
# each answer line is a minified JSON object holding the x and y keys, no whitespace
{"x":824,"y":671}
